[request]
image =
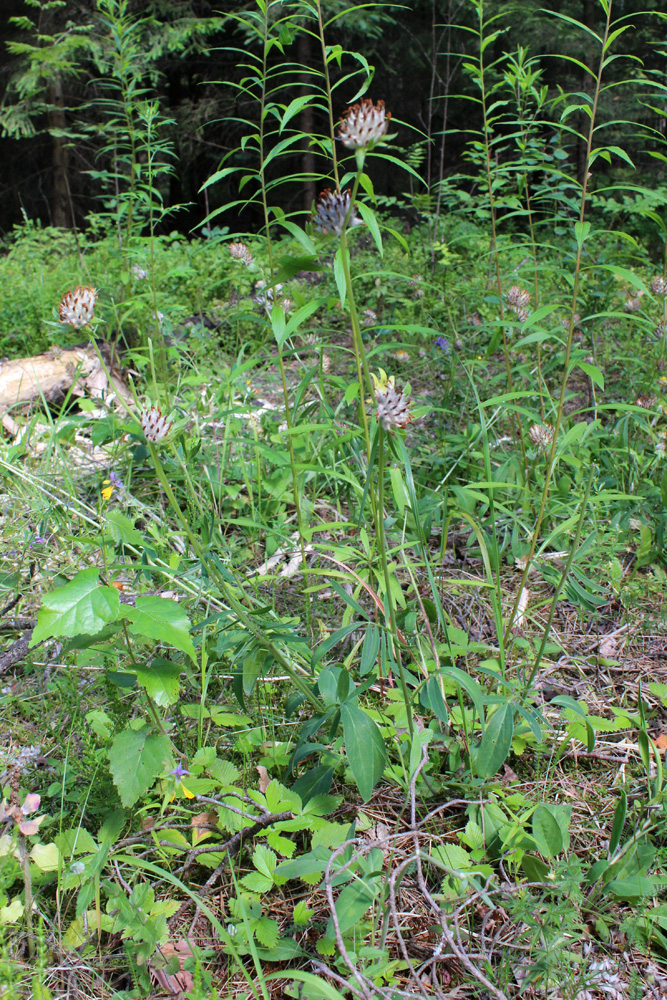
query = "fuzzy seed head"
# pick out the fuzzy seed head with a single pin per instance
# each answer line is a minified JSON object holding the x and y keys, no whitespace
{"x":393,"y":405}
{"x":541,"y":435}
{"x":364,"y":124}
{"x":326,"y":363}
{"x":659,"y":285}
{"x":518,"y":298}
{"x":77,"y":307}
{"x":369,"y":317}
{"x":240,"y":252}
{"x":331,"y":212}
{"x":154,"y":425}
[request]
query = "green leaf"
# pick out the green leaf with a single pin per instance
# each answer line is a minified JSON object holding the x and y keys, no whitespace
{"x":81,"y":606}
{"x":547,"y":832}
{"x":496,"y":742}
{"x":122,"y":529}
{"x":136,"y":758}
{"x":353,"y":902}
{"x":581,"y":231}
{"x":368,"y":215}
{"x":536,"y":869}
{"x":364,"y":747}
{"x":161,"y":680}
{"x":592,"y":371}
{"x":162,"y":619}
{"x":339,"y":274}
{"x":619,"y":821}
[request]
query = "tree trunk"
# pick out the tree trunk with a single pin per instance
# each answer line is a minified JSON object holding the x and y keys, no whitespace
{"x":61,"y":214}
{"x":307,"y":125}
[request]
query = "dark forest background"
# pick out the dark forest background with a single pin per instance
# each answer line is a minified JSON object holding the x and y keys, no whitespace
{"x":55,"y":155}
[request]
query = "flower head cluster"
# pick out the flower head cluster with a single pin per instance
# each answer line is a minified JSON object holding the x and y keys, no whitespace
{"x":77,"y":307}
{"x":154,"y":425}
{"x":518,"y":299}
{"x":443,"y":344}
{"x":139,"y":272}
{"x":364,"y":124}
{"x":660,"y":331}
{"x":634,"y":301}
{"x":240,"y":251}
{"x":370,"y":317}
{"x":646,"y":402}
{"x":332,"y":210}
{"x":659,"y":285}
{"x":415,"y":283}
{"x":393,"y":405}
{"x":541,"y":435}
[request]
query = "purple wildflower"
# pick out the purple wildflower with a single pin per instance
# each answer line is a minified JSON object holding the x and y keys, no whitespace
{"x":179,"y":771}
{"x":443,"y":344}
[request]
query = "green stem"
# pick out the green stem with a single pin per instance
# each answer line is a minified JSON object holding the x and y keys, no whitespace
{"x":391,"y":612}
{"x":232,"y":600}
{"x":568,"y":348}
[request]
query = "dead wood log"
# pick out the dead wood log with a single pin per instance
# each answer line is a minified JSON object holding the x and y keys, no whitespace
{"x":50,"y":376}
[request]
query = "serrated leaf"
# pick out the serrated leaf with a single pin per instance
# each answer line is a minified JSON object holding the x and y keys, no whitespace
{"x":264,"y":860}
{"x":162,"y":619}
{"x":256,"y":882}
{"x":267,"y":932}
{"x":136,"y":757}
{"x":82,"y":606}
{"x":122,"y":529}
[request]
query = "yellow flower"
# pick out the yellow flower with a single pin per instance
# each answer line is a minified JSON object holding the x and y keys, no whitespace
{"x":108,"y":489}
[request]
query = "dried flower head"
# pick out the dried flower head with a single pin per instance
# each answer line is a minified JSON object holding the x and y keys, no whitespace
{"x":310,"y":340}
{"x":660,"y":331}
{"x":139,"y":273}
{"x":326,"y":363}
{"x":661,"y":445}
{"x":393,"y":405}
{"x":240,"y":251}
{"x":154,"y":425}
{"x":332,"y":210}
{"x":633,"y":304}
{"x":521,"y":313}
{"x":369,"y":317}
{"x":364,"y":124}
{"x":541,"y":435}
{"x":518,"y":298}
{"x":646,"y":402}
{"x":286,"y":305}
{"x":402,"y":356}
{"x":659,"y":285}
{"x":77,"y":307}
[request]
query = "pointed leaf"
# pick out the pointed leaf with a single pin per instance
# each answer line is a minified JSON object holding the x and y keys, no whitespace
{"x":364,"y":746}
{"x":161,"y":619}
{"x":136,"y":758}
{"x":81,"y":606}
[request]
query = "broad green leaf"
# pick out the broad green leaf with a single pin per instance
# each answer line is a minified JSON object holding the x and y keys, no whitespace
{"x":81,"y":606}
{"x":46,"y":857}
{"x":136,"y":758}
{"x":353,"y":902}
{"x":365,"y":748}
{"x":496,"y":742}
{"x":547,"y":832}
{"x":161,"y":680}
{"x":122,"y":529}
{"x":162,"y":619}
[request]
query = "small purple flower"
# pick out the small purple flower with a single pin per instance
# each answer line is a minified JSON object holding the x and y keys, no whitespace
{"x":115,"y":479}
{"x":443,"y":344}
{"x":179,"y":771}
{"x":37,"y":540}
